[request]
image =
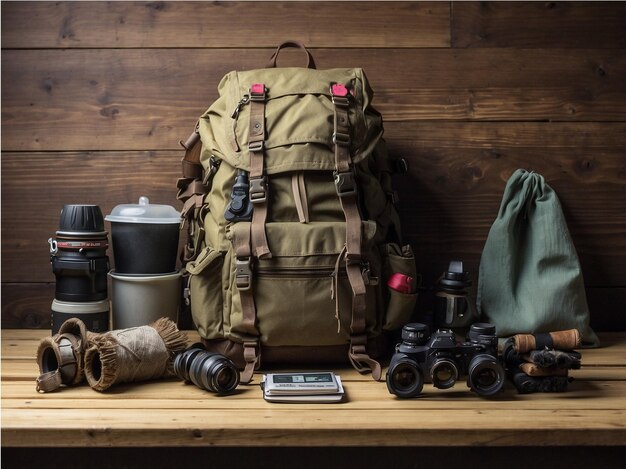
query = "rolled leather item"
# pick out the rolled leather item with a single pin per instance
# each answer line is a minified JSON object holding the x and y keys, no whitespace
{"x":61,"y":357}
{"x":533,"y":370}
{"x":562,"y":340}
{"x":133,"y":354}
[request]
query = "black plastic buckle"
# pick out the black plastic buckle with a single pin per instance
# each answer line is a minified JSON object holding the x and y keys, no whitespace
{"x":258,"y":190}
{"x":345,"y":185}
{"x":354,"y":258}
{"x":243,"y":273}
{"x":239,"y":208}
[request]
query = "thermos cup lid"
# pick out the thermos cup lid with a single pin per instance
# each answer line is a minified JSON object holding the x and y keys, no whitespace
{"x":144,"y":212}
{"x":81,"y":220}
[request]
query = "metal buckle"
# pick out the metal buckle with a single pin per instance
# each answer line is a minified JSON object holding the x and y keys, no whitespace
{"x":258,"y":192}
{"x":341,"y":139}
{"x":187,"y":296}
{"x":341,"y":101}
{"x":256,"y":146}
{"x":214,"y":165}
{"x":366,"y":273}
{"x":243,"y":273}
{"x":345,"y":185}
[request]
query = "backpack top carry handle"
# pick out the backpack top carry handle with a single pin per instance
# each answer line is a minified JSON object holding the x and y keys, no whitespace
{"x":297,"y":44}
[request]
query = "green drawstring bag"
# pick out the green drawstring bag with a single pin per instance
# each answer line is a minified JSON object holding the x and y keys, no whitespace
{"x":530,"y":279}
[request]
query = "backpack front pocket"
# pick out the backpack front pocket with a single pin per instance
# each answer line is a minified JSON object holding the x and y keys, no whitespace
{"x":302,"y":294}
{"x":299,"y":307}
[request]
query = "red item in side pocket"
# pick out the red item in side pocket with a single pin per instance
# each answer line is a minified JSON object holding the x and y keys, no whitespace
{"x":401,"y":283}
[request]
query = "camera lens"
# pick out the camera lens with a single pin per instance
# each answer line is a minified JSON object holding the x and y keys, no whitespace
{"x":209,"y":371}
{"x":404,"y":379}
{"x":216,"y":373}
{"x":182,"y":362}
{"x":444,"y":373}
{"x":226,"y":378}
{"x":485,"y":375}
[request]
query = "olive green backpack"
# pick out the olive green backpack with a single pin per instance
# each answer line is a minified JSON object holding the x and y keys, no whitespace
{"x":293,"y":232}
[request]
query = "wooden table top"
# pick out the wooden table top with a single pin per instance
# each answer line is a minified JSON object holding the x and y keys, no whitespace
{"x":170,"y":413}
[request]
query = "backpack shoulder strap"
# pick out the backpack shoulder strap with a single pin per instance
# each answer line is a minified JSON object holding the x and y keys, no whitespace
{"x":346,"y":186}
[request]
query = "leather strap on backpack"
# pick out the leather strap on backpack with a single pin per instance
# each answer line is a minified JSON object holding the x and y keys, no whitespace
{"x":191,"y":161}
{"x":272,"y":62}
{"x":244,"y":282}
{"x":345,"y":184}
{"x":191,"y":191}
{"x":258,"y":179}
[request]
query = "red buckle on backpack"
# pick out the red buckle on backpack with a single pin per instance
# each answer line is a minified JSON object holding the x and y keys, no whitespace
{"x":338,"y":89}
{"x":257,"y":92}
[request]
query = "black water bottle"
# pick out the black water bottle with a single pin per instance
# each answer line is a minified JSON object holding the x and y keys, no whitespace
{"x":80,"y":265}
{"x":78,"y":255}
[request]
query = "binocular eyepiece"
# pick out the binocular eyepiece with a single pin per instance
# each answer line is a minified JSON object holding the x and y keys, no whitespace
{"x":207,"y":370}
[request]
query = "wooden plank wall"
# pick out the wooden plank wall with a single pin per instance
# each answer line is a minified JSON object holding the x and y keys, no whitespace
{"x":95,"y":97}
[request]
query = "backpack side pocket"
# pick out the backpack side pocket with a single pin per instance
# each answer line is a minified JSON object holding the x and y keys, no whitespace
{"x":205,"y":289}
{"x":400,"y":305}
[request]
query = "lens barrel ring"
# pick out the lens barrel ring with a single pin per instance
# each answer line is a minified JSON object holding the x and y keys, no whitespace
{"x":444,"y":372}
{"x":485,"y":375}
{"x":405,"y":378}
{"x":183,"y":361}
{"x":207,"y":370}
